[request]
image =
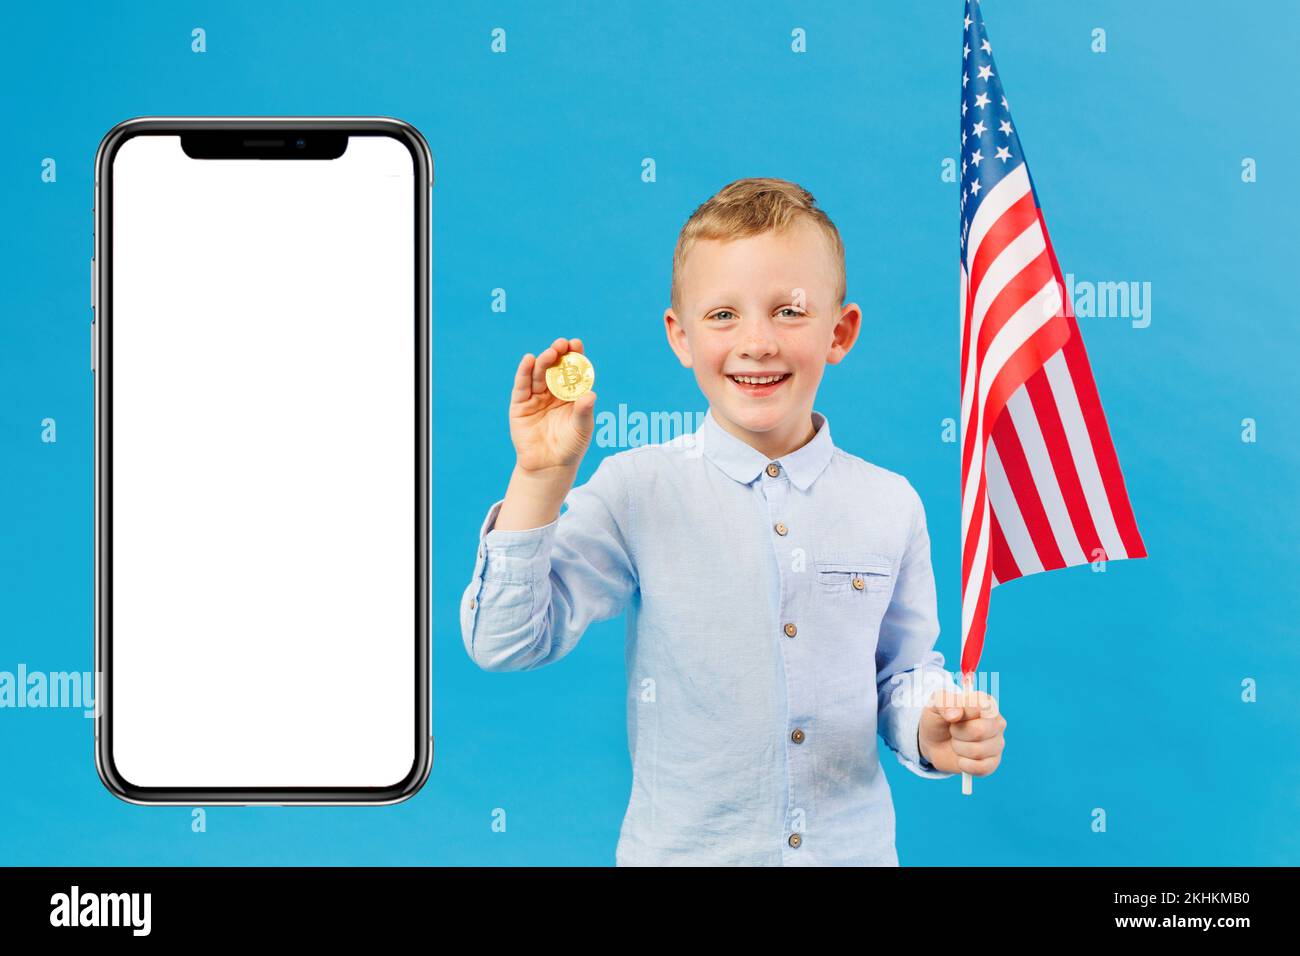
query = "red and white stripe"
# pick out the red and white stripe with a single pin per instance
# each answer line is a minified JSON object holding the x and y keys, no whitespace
{"x":1041,"y":484}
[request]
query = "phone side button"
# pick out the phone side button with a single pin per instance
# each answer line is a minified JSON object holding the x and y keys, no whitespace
{"x":94,"y":284}
{"x":94,"y":343}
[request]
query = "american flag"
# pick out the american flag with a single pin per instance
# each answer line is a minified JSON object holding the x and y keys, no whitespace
{"x":1041,"y":484}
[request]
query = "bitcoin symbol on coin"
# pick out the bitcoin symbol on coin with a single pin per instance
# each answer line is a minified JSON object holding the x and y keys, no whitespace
{"x":570,"y":376}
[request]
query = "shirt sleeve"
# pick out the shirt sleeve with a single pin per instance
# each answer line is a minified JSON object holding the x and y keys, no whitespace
{"x":534,"y":592}
{"x":908,"y":668}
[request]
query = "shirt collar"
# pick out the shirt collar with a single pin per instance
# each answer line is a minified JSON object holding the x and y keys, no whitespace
{"x":744,"y":463}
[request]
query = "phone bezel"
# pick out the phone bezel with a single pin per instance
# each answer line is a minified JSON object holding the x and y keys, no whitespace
{"x":101,"y":297}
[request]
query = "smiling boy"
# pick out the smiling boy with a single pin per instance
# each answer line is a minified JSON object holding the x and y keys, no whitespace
{"x":779,"y":594}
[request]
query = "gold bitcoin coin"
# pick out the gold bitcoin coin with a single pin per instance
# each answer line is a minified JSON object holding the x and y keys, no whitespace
{"x":570,"y":376}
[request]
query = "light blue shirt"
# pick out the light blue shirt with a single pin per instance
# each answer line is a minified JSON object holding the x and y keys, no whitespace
{"x":780,"y":614}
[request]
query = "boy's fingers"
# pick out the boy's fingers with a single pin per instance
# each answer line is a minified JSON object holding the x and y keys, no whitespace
{"x":544,"y":361}
{"x":982,"y":728}
{"x":971,"y":704}
{"x":575,"y":345}
{"x":974,"y":749}
{"x":947,"y":705}
{"x":975,"y":731}
{"x":582,"y":407}
{"x":977,"y":768}
{"x":984,"y":705}
{"x":523,"y":387}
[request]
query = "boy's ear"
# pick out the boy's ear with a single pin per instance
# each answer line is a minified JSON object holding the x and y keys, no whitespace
{"x":845,"y":333}
{"x":677,"y":338}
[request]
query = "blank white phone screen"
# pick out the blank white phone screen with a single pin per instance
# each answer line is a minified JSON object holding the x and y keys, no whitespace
{"x":263,"y":467}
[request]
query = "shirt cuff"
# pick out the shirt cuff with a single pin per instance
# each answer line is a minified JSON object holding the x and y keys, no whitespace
{"x":511,"y":557}
{"x":507,"y":564}
{"x":907,"y":720}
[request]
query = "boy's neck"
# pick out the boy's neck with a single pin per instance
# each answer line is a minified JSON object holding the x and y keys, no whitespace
{"x":776,"y":443}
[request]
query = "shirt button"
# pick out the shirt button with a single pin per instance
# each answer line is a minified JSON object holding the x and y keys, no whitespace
{"x":791,"y":630}
{"x":781,"y":529}
{"x":473,"y":603}
{"x":774,"y":469}
{"x":797,"y":736}
{"x":795,"y":840}
{"x":858,"y":583}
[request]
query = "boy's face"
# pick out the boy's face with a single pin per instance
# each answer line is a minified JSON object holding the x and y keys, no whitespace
{"x":759,"y":323}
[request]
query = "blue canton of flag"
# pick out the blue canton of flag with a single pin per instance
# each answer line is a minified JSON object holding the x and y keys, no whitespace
{"x":990,"y":147}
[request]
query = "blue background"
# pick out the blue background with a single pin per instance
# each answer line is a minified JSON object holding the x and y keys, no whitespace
{"x":1122,"y":689}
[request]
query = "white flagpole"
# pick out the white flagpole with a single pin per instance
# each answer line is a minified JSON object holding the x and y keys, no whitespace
{"x":967,"y":683}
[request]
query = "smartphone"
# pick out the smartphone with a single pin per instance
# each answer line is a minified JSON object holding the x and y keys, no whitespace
{"x":259,"y":347}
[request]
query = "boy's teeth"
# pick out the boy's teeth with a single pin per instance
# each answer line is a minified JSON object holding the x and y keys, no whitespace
{"x":758,"y":379}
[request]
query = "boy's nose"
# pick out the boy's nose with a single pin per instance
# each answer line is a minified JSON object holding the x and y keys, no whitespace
{"x":757,"y":343}
{"x":757,"y":349}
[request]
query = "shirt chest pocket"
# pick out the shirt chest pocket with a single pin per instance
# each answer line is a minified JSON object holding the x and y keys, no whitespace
{"x":859,"y":575}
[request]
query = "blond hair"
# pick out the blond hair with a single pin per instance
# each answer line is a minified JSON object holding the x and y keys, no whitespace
{"x":750,"y":207}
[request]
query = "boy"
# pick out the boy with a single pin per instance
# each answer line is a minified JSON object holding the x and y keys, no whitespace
{"x":778,"y":589}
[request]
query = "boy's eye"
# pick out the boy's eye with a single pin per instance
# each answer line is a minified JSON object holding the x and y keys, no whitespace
{"x":725,"y":315}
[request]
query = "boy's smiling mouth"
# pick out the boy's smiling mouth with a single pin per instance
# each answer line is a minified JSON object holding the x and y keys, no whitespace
{"x":758,"y":385}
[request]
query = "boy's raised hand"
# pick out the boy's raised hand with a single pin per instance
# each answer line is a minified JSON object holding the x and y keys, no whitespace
{"x":962,"y":733}
{"x":547,"y":432}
